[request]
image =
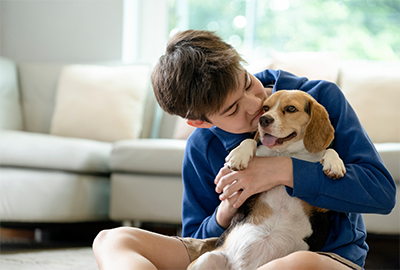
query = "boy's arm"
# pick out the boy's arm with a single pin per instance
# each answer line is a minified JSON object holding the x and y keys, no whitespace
{"x":367,"y":186}
{"x":199,"y":196}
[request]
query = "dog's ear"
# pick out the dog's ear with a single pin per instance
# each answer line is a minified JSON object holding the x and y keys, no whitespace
{"x":319,"y":130}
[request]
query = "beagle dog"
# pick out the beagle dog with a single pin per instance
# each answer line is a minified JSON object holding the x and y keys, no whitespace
{"x":272,"y":224}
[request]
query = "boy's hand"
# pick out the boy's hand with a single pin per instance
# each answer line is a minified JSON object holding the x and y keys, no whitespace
{"x":262,"y":173}
{"x":226,"y":211}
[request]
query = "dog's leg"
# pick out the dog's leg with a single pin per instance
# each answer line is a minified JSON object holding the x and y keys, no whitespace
{"x":214,"y":260}
{"x":333,"y":165}
{"x":239,"y":157}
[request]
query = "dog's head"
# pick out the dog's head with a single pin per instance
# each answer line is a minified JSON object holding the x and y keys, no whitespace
{"x":294,"y":116}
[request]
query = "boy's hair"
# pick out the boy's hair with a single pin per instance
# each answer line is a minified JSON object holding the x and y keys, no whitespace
{"x":195,"y":75}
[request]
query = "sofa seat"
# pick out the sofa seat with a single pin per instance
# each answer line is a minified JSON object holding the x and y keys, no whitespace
{"x":166,"y":156}
{"x":138,"y":181}
{"x":47,"y":178}
{"x":44,"y":151}
{"x":35,"y":195}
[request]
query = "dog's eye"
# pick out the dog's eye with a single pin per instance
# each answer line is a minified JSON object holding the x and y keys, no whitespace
{"x":291,"y":109}
{"x":266,"y":108}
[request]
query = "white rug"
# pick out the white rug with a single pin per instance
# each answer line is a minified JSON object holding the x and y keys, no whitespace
{"x":63,"y":259}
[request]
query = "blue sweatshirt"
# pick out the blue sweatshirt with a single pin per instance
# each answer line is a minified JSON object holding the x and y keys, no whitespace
{"x":367,"y":186}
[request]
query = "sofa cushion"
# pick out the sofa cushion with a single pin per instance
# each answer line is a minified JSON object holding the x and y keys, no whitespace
{"x":38,"y":82}
{"x":100,"y":102}
{"x":34,"y":150}
{"x":10,"y":107}
{"x":372,"y":88}
{"x":163,"y":156}
{"x":30,"y":195}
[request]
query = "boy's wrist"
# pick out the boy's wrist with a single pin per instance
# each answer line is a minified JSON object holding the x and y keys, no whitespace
{"x":225,"y":214}
{"x":279,"y":171}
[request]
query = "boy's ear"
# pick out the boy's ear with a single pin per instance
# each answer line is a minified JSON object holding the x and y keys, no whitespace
{"x":198,"y":123}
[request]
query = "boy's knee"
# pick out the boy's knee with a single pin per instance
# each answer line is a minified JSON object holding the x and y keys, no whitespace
{"x":296,"y":260}
{"x":100,"y":239}
{"x":114,"y":237}
{"x":305,"y":258}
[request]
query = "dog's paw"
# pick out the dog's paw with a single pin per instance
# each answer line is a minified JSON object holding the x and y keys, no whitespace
{"x":239,"y":158}
{"x":333,"y":166}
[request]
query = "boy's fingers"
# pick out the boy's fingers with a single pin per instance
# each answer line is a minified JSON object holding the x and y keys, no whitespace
{"x":233,"y":198}
{"x":225,"y":181}
{"x":241,"y":199}
{"x":222,"y":172}
{"x":229,"y":190}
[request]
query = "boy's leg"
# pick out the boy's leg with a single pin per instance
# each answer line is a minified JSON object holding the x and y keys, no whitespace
{"x":310,"y":260}
{"x":132,"y":248}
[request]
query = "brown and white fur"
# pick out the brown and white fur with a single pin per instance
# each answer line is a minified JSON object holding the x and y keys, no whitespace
{"x":273,"y":224}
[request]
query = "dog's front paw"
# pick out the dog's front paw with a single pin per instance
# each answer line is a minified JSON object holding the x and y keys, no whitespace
{"x":333,"y":166}
{"x":239,"y":158}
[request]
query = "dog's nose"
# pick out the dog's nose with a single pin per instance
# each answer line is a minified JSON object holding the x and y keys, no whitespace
{"x":265,"y":121}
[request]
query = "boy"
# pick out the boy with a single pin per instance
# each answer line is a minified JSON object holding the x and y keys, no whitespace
{"x":201,"y":79}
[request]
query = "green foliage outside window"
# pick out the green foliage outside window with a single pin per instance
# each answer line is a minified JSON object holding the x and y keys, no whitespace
{"x":356,"y":29}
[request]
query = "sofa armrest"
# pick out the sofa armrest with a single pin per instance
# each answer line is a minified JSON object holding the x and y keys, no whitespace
{"x":160,"y":156}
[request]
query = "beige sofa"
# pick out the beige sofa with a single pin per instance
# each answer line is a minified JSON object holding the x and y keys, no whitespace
{"x":50,"y":175}
{"x":60,"y":127}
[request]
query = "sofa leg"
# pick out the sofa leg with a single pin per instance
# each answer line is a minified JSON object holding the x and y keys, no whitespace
{"x":16,"y":235}
{"x":132,"y":223}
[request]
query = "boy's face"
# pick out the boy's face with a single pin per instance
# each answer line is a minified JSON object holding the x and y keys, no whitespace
{"x":243,"y":107}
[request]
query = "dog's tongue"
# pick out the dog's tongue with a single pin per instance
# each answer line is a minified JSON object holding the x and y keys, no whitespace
{"x":269,"y":140}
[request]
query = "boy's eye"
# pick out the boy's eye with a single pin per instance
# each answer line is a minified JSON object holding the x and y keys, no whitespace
{"x":291,"y":109}
{"x":235,"y":111}
{"x":266,"y":108}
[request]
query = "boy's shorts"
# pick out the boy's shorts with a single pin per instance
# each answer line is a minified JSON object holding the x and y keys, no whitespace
{"x":197,"y":247}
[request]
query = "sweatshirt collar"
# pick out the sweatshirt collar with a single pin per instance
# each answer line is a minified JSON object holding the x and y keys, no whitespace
{"x":229,"y":140}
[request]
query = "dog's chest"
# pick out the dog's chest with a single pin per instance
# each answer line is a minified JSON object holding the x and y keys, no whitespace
{"x":285,"y":212}
{"x":283,"y":231}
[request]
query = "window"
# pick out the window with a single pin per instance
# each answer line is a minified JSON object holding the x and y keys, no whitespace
{"x":356,"y":29}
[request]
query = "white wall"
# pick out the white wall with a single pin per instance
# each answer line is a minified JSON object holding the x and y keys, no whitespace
{"x":61,"y":30}
{"x":145,"y":30}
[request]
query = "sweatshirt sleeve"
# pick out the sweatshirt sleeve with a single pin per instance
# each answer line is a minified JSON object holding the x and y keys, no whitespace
{"x":199,"y":196}
{"x":367,"y":186}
